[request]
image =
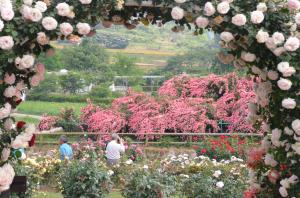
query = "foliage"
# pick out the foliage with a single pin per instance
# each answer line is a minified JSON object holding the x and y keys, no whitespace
{"x":145,"y":184}
{"x":71,"y":83}
{"x":84,"y":179}
{"x":68,"y":120}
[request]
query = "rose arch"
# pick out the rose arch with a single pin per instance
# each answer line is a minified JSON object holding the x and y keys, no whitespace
{"x":260,"y":35}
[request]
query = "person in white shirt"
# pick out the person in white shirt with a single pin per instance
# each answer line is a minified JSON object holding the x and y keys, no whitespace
{"x":114,"y":150}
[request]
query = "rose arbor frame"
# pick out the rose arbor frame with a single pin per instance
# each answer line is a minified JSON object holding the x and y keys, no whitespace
{"x":261,"y":36}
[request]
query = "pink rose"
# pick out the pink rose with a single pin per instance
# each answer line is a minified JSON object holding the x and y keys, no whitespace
{"x":42,"y":38}
{"x":248,"y":57}
{"x":83,"y":28}
{"x":296,"y":126}
{"x":8,"y":124}
{"x":5,"y":111}
{"x":49,"y":23}
{"x":289,"y":103}
{"x":257,"y":17}
{"x":40,"y":69}
{"x":278,"y":51}
{"x":7,"y":175}
{"x":66,"y":28}
{"x":270,"y":44}
{"x":9,"y":79}
{"x":292,"y":44}
{"x":239,"y":20}
{"x":10,"y":92}
{"x":5,"y":154}
{"x":6,"y":42}
{"x":209,"y":9}
{"x":227,"y":36}
{"x":35,"y":80}
{"x":202,"y":22}
{"x":85,"y":1}
{"x":278,"y":38}
{"x":293,"y":4}
{"x":63,"y":9}
{"x":7,"y":14}
{"x":1,"y":25}
{"x":272,"y":75}
{"x":19,"y":143}
{"x":223,"y":7}
{"x":283,"y":192}
{"x":284,"y":84}
{"x":177,"y":13}
{"x":262,"y":7}
{"x":262,"y":36}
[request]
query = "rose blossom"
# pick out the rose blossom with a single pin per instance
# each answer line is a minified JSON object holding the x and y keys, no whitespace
{"x":9,"y":79}
{"x":239,"y":20}
{"x":85,"y":1}
{"x":5,"y":154}
{"x":293,"y":179}
{"x":63,"y":9}
{"x":5,"y":111}
{"x":284,"y":84}
{"x":40,"y":69}
{"x":272,"y":75}
{"x":292,"y":44}
{"x":35,"y":80}
{"x":27,"y":2}
{"x":257,"y":17}
{"x":7,"y":175}
{"x":288,"y":131}
{"x":293,"y":4}
{"x":202,"y":22}
{"x":42,"y":38}
{"x":209,"y":9}
{"x":180,"y":1}
{"x":1,"y":25}
{"x":297,"y":18}
{"x":289,"y":103}
{"x":220,"y":184}
{"x":7,"y":14}
{"x":296,"y":126}
{"x":248,"y":57}
{"x":262,"y":7}
{"x":6,"y":42}
{"x":262,"y":36}
{"x":177,"y":13}
{"x":283,"y":192}
{"x":269,"y":160}
{"x":278,"y":51}
{"x":270,"y":44}
{"x":35,"y":15}
{"x":66,"y":28}
{"x":275,"y":138}
{"x":25,"y":62}
{"x":10,"y":91}
{"x":8,"y":124}
{"x":49,"y":23}
{"x":227,"y":36}
{"x":223,"y":7}
{"x":41,"y":6}
{"x":83,"y":28}
{"x":278,"y":38}
{"x":273,"y":176}
{"x":285,"y":69}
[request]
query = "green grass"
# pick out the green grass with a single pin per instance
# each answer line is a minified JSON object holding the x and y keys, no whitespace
{"x":50,"y":108}
{"x":27,"y":119}
{"x":58,"y":195}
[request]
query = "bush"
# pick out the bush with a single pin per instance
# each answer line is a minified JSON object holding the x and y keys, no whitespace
{"x":144,"y":184}
{"x":84,"y":179}
{"x":68,"y":120}
{"x":204,"y":186}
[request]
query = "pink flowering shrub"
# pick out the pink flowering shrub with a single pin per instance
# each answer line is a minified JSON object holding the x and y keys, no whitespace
{"x":47,"y":122}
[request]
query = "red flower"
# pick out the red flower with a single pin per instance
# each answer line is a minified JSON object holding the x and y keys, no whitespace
{"x":19,"y":101}
{"x":283,"y":167}
{"x":248,"y":194}
{"x":196,"y":147}
{"x":32,"y":141}
{"x":203,"y":151}
{"x":20,"y":124}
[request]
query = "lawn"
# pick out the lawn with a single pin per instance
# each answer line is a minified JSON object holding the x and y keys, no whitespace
{"x":58,"y":195}
{"x":50,"y":108}
{"x":27,"y":119}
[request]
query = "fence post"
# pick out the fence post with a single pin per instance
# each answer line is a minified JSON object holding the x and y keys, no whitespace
{"x":146,"y":141}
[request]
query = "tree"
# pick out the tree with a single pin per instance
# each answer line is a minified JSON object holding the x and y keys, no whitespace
{"x":72,"y":82}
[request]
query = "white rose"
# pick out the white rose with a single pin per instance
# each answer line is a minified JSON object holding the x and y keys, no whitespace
{"x":10,"y":92}
{"x":7,"y":175}
{"x":85,"y":1}
{"x":177,"y":13}
{"x":83,"y":28}
{"x":239,"y":20}
{"x":272,"y":75}
{"x":5,"y":154}
{"x":292,"y":44}
{"x":35,"y":15}
{"x":26,"y":62}
{"x":288,"y":131}
{"x":42,"y":6}
{"x":269,"y":160}
{"x":220,"y":184}
{"x":278,"y":38}
{"x":265,"y":143}
{"x":27,"y":2}
{"x":49,"y":23}
{"x":223,"y":7}
{"x":66,"y":28}
{"x":209,"y":9}
{"x":217,"y":174}
{"x":270,"y":44}
{"x":6,"y":42}
{"x":7,"y":14}
{"x":293,"y":179}
{"x":296,"y":126}
{"x":285,"y":183}
{"x":283,"y":67}
{"x":278,"y":51}
{"x":262,"y":7}
{"x":284,"y":84}
{"x":262,"y":36}
{"x":257,"y":17}
{"x":275,"y":138}
{"x":5,"y":111}
{"x":180,"y":1}
{"x":1,"y":25}
{"x":283,"y":192}
{"x":63,"y":9}
{"x":297,"y":18}
{"x":8,"y":124}
{"x":227,"y":36}
{"x":202,"y":22}
{"x":248,"y":57}
{"x":296,"y":147}
{"x":289,"y":103}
